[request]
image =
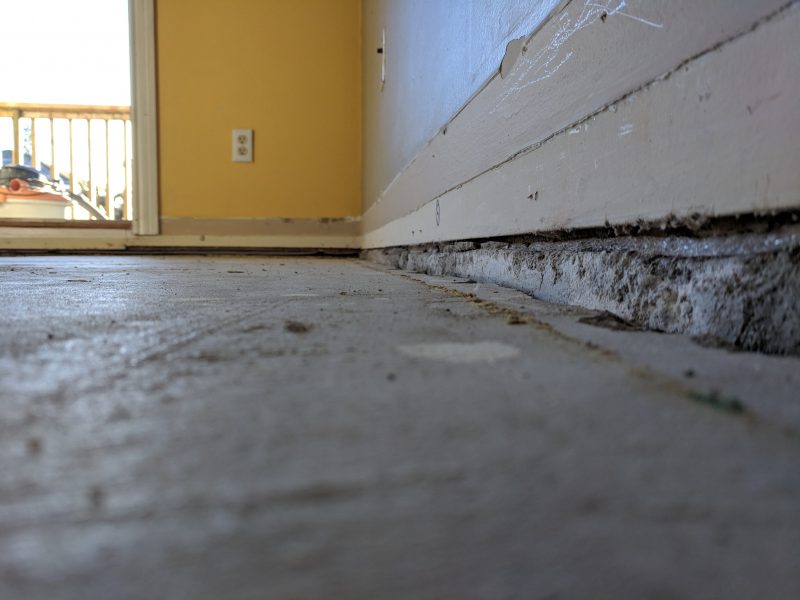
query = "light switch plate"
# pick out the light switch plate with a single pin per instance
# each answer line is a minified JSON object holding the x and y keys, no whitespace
{"x":243,"y":145}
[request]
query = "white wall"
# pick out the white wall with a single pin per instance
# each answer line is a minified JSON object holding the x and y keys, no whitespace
{"x":438,"y":54}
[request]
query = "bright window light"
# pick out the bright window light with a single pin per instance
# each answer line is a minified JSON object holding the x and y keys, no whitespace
{"x":65,"y":52}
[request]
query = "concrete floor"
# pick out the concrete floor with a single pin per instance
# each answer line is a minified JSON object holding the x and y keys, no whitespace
{"x":259,"y":428}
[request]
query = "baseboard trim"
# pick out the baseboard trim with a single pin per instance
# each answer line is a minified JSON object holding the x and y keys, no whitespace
{"x":205,"y":234}
{"x":320,"y":227}
{"x":701,"y":130}
{"x":711,"y":139}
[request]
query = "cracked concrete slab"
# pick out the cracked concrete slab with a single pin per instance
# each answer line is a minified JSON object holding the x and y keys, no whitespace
{"x":258,"y":428}
{"x":739,"y":290}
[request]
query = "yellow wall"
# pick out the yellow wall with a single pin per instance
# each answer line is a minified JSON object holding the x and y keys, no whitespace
{"x":290,"y":70}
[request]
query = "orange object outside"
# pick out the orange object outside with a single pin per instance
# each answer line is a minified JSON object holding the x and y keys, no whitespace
{"x":21,"y":189}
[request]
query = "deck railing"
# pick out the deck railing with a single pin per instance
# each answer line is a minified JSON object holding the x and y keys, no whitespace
{"x":87,"y":148}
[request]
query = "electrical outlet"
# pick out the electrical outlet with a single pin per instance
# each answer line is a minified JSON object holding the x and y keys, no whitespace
{"x":243,"y":145}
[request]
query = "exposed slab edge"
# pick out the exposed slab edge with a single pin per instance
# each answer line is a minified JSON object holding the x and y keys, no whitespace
{"x":708,"y":137}
{"x":739,"y":290}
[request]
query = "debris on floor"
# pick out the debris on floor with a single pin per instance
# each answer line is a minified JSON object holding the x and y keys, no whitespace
{"x":163,"y":435}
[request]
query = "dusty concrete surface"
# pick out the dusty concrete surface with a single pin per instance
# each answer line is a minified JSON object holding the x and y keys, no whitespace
{"x":740,"y":290}
{"x":319,"y":428}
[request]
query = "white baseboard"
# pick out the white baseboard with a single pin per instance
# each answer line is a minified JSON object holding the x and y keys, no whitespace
{"x":192,"y":233}
{"x":717,"y":136}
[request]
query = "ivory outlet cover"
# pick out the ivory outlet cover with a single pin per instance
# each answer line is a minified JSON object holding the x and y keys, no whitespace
{"x":243,"y":145}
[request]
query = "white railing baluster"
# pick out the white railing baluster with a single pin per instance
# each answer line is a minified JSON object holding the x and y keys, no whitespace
{"x":80,"y":163}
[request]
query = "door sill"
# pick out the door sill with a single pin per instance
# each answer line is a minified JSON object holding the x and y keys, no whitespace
{"x":64,"y":224}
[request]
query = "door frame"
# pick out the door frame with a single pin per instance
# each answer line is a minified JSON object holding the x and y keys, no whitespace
{"x":144,"y":112}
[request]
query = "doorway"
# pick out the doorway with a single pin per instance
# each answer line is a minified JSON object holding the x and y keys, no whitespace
{"x":68,"y":133}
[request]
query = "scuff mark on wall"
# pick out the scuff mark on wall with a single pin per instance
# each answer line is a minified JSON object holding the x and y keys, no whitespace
{"x":625,"y":129}
{"x":547,"y":61}
{"x":618,"y":11}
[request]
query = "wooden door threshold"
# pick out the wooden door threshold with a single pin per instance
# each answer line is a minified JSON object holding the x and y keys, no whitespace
{"x":64,"y":224}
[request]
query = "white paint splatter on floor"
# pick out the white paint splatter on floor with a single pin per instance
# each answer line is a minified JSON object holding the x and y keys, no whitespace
{"x":461,"y":353}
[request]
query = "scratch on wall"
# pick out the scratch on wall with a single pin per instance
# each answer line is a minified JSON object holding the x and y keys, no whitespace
{"x":625,"y":129}
{"x":546,"y":62}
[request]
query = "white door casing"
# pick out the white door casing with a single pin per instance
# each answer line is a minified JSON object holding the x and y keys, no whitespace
{"x":144,"y":117}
